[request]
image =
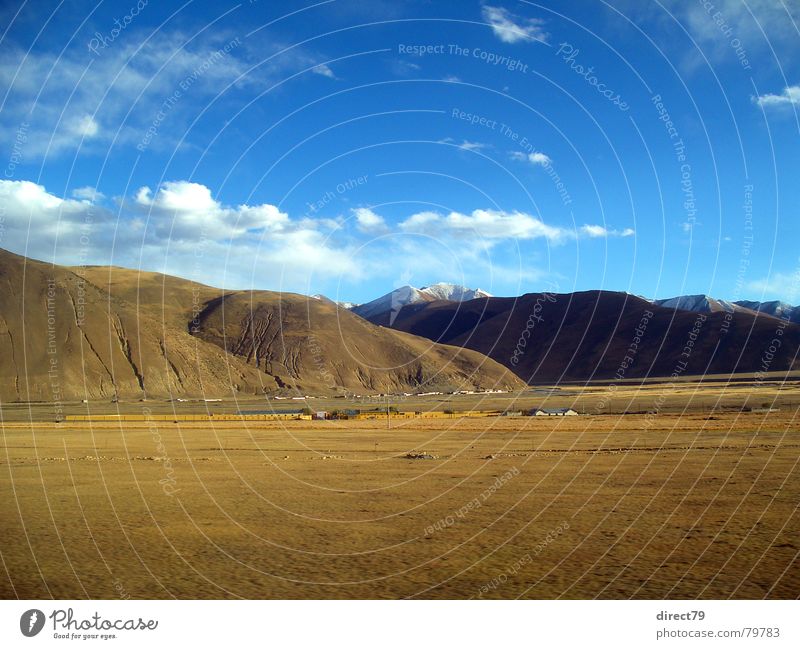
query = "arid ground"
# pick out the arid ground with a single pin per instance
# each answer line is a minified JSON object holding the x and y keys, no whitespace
{"x":686,"y":503}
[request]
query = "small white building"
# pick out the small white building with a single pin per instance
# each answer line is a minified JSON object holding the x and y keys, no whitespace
{"x":553,"y":412}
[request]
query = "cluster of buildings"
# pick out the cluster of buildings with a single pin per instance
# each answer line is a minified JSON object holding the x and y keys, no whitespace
{"x":440,"y":414}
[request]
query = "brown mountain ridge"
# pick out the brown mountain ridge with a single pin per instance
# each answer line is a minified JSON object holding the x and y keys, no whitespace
{"x":547,"y":338}
{"x":106,"y":332}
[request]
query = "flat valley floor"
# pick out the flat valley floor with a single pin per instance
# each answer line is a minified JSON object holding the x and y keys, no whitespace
{"x":672,"y":506}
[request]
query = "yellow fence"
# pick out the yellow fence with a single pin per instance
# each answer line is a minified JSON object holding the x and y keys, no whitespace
{"x":432,"y":414}
{"x":152,"y":417}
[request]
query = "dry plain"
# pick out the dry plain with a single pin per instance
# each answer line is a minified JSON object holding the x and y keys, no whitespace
{"x":687,"y":503}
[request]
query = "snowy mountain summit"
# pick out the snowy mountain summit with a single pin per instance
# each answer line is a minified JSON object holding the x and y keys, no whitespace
{"x":453,"y":292}
{"x":398,"y":298}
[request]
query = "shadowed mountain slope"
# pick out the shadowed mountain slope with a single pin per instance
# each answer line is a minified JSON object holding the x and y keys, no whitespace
{"x":602,"y":334}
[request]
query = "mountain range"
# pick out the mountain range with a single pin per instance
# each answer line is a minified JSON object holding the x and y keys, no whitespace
{"x":706,"y":304}
{"x":400,"y":297}
{"x":108,"y":332}
{"x":588,"y":335}
{"x":383,"y":309}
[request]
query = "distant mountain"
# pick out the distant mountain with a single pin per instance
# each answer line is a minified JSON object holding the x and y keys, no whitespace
{"x":698,"y":303}
{"x":706,"y":304}
{"x":453,"y":292}
{"x":775,"y":308}
{"x":603,"y":334}
{"x":383,"y":310}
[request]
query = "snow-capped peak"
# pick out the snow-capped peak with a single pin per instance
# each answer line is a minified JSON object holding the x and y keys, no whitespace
{"x":453,"y":292}
{"x":705,"y":304}
{"x":700,"y":303}
{"x":400,"y":297}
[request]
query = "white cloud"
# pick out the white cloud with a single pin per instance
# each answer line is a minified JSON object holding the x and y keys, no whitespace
{"x":419,"y":221}
{"x":539,"y":158}
{"x":757,"y":27}
{"x":83,"y":127}
{"x":785,"y":286}
{"x":498,"y":225}
{"x":599,"y":231}
{"x":71,"y":96}
{"x":323,"y":70}
{"x":467,"y":145}
{"x":495,"y":224}
{"x":88,"y":194}
{"x":486,"y":224}
{"x":594,"y":231}
{"x":536,"y":158}
{"x":789,"y":97}
{"x":308,"y":251}
{"x":368,"y":220}
{"x":512,"y":29}
{"x":180,"y":228}
{"x":37,"y":223}
{"x":20,"y":196}
{"x":187,"y":210}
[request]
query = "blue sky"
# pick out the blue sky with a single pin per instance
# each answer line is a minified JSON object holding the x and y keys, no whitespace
{"x":348,"y":148}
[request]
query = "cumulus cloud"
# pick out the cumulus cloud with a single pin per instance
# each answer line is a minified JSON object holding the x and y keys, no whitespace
{"x":21,"y":196}
{"x":512,"y":29}
{"x":498,"y":225}
{"x":36,"y":222}
{"x":368,"y":220}
{"x":187,"y":210}
{"x":594,"y":231}
{"x":419,"y":222}
{"x":88,"y":194}
{"x":536,"y":158}
{"x":181,"y":228}
{"x":789,"y":97}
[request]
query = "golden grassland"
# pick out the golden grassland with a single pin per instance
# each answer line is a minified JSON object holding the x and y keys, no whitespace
{"x":683,"y":504}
